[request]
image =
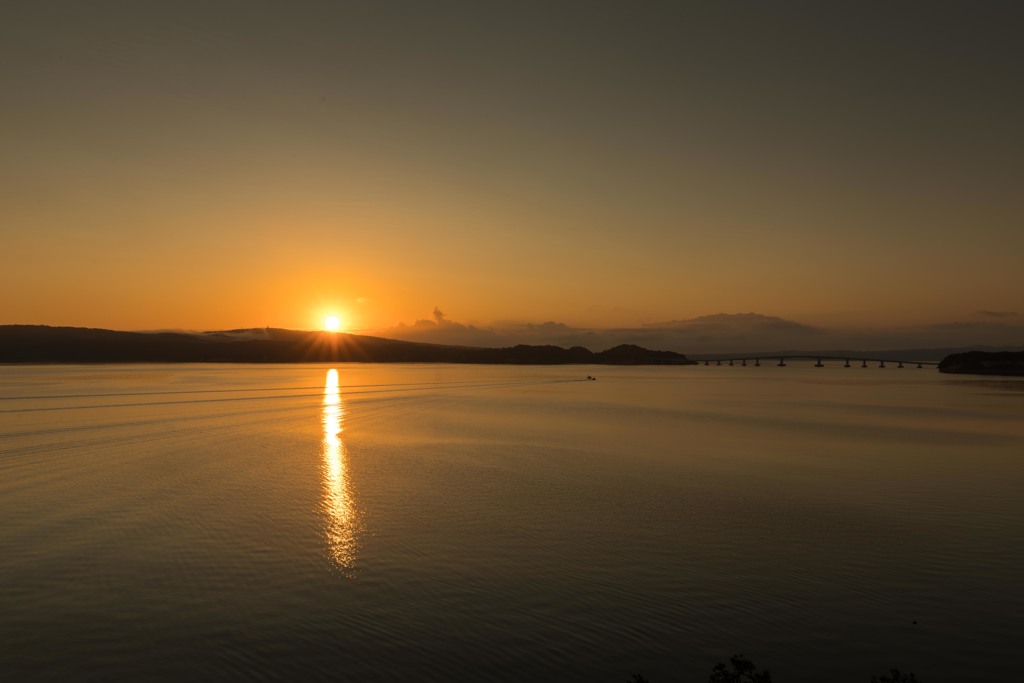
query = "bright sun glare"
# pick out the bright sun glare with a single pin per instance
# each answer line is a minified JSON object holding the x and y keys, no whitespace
{"x":332,"y":323}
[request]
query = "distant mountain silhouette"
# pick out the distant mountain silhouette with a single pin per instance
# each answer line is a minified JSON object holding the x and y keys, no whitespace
{"x":747,"y":322}
{"x":44,"y":344}
{"x":751,"y":333}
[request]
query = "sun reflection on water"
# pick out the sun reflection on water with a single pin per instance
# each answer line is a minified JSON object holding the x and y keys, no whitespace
{"x":340,"y":514}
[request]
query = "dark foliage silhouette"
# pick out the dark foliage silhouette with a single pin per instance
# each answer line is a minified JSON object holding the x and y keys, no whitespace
{"x":742,"y":671}
{"x":895,"y":676}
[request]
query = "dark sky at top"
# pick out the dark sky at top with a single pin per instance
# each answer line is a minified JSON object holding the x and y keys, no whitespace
{"x":590,"y":162}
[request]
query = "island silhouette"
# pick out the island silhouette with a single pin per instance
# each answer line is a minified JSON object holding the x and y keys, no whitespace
{"x":1004,"y":363}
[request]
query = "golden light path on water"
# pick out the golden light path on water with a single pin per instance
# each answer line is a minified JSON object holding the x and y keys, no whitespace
{"x":341,"y":516}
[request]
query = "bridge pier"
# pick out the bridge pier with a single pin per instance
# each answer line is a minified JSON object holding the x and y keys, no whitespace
{"x":881,"y":363}
{"x":730,"y":362}
{"x":757,"y":362}
{"x":819,"y":364}
{"x":782,"y":362}
{"x":719,"y":362}
{"x":919,"y":366}
{"x":744,"y":362}
{"x":847,"y":363}
{"x":707,"y":362}
{"x":864,"y":364}
{"x":900,"y":364}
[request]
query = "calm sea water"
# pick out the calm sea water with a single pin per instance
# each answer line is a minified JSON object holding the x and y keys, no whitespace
{"x":442,"y":523}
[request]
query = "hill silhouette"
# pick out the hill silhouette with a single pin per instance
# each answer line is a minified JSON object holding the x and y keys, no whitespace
{"x":45,"y":344}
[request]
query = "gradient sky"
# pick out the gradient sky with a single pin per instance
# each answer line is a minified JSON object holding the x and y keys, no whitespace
{"x":214,"y":165}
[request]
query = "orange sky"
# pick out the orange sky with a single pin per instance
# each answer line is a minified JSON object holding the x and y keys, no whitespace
{"x":188,"y":167}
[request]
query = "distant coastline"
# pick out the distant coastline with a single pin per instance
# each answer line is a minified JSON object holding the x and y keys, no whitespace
{"x":45,"y":344}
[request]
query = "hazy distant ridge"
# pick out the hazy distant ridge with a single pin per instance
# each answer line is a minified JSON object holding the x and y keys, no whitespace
{"x":44,"y":344}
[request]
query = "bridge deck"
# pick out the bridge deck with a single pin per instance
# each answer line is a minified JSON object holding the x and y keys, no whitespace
{"x":848,"y":361}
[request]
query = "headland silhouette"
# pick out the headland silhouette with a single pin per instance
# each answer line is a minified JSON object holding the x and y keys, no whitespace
{"x":44,"y":344}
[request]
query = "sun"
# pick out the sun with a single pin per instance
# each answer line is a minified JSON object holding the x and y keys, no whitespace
{"x":332,"y":323}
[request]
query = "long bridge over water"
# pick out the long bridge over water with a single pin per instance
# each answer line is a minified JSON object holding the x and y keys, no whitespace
{"x":780,"y":360}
